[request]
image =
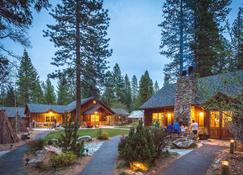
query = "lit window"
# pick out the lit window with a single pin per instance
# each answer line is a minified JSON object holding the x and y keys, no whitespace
{"x":227,"y":117}
{"x":158,"y":117}
{"x":201,"y":119}
{"x":214,"y":119}
{"x":95,"y":118}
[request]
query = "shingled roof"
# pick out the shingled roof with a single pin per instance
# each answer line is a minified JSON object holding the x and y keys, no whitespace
{"x":230,"y":84}
{"x":41,"y":108}
{"x":120,"y":112}
{"x":12,"y":111}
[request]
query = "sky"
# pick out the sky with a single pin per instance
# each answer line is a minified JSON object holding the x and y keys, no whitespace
{"x":134,"y":34}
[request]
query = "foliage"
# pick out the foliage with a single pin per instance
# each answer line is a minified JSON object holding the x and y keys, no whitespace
{"x":128,"y":95}
{"x":101,"y":135}
{"x":64,"y":159}
{"x":90,"y":21}
{"x":35,"y":145}
{"x":28,"y":83}
{"x":134,"y":89}
{"x":69,"y":139}
{"x":63,"y":96}
{"x":49,"y":92}
{"x":138,"y":146}
{"x":10,"y":96}
{"x":146,"y":89}
{"x":119,"y":84}
{"x":156,"y":86}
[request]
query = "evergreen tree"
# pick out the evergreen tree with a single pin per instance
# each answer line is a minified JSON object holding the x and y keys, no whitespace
{"x":134,"y":88}
{"x":80,"y":33}
{"x":146,"y":89}
{"x":207,"y":44}
{"x":49,"y":92}
{"x":108,"y":95}
{"x":10,"y":97}
{"x":237,"y":39}
{"x":63,"y":96}
{"x":128,"y":95}
{"x":176,"y":24}
{"x":119,"y":84}
{"x":28,"y":82}
{"x":156,"y":86}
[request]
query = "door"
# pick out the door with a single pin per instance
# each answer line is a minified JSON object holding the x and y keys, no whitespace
{"x":218,"y":126}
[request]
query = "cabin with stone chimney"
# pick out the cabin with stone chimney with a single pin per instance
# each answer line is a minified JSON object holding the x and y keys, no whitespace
{"x":183,"y":101}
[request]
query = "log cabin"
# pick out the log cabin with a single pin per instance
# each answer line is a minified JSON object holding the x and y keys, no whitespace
{"x":184,"y":101}
{"x":93,"y":113}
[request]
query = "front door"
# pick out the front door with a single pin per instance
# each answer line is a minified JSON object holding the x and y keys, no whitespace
{"x":218,"y":127}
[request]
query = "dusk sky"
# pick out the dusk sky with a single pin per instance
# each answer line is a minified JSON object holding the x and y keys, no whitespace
{"x":134,"y":33}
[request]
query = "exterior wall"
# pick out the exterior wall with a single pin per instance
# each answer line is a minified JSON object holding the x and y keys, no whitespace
{"x":148,"y":113}
{"x":40,"y":119}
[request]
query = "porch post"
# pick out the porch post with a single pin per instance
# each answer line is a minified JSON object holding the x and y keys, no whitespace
{"x":220,"y":124}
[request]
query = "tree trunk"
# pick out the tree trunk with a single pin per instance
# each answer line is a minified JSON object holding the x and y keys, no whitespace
{"x":78,"y":66}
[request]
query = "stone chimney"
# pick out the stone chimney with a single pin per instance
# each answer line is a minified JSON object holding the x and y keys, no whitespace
{"x":185,"y":95}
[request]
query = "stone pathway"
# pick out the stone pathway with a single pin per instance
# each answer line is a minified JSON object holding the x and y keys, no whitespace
{"x":104,"y":159}
{"x":12,"y":162}
{"x":196,"y":162}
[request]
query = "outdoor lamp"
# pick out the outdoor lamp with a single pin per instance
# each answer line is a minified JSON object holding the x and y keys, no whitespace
{"x":225,"y":170}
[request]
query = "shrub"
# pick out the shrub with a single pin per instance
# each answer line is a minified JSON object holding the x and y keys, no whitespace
{"x":138,"y":146}
{"x":35,"y":145}
{"x":64,"y":159}
{"x":102,"y":135}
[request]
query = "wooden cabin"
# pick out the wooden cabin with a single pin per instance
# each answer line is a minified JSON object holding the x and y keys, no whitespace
{"x":93,"y":113}
{"x":185,"y":99}
{"x":120,"y":116}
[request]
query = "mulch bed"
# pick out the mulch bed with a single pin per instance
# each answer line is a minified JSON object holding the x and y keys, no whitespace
{"x":235,"y":162}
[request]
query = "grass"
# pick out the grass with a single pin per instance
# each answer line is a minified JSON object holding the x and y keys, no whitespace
{"x":91,"y":132}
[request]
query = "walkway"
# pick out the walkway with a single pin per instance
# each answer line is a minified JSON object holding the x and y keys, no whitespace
{"x":196,"y":162}
{"x":104,"y":159}
{"x":12,"y":162}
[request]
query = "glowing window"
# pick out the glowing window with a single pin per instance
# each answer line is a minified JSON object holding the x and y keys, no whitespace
{"x":95,"y":118}
{"x":214,"y":119}
{"x":158,"y":117}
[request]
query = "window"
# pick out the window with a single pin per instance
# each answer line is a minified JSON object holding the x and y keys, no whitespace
{"x":214,"y":119}
{"x":95,"y":118}
{"x":158,"y":117}
{"x":201,"y":119}
{"x":227,"y":117}
{"x":50,"y":118}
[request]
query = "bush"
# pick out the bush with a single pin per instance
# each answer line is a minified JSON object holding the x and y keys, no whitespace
{"x":35,"y":145}
{"x":64,"y":159}
{"x":138,"y":146}
{"x":102,"y":135}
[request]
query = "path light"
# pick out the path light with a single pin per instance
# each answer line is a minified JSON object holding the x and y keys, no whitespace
{"x":225,"y":170}
{"x":232,"y":146}
{"x":136,"y":166}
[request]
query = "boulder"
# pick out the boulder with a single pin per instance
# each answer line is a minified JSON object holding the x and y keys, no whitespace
{"x":43,"y":157}
{"x":85,"y":138}
{"x":184,"y":143}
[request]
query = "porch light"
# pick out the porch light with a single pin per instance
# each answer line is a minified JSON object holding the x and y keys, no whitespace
{"x":94,"y":101}
{"x":201,"y":114}
{"x":50,"y":112}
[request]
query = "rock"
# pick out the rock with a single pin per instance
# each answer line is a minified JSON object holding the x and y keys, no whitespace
{"x":53,"y":149}
{"x":43,"y":157}
{"x":184,"y":143}
{"x":85,"y":138}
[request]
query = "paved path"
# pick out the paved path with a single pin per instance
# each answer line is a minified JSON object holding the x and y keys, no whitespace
{"x":196,"y":162}
{"x":104,"y":159}
{"x":12,"y":162}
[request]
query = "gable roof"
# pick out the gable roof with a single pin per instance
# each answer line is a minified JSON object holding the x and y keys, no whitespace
{"x":120,"y":111}
{"x":42,"y":108}
{"x":11,"y":111}
{"x":230,"y":84}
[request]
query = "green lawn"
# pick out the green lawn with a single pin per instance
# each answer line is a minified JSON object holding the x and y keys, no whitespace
{"x":91,"y":132}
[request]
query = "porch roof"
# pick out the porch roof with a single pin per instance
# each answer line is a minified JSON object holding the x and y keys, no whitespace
{"x":229,"y":84}
{"x":120,"y":112}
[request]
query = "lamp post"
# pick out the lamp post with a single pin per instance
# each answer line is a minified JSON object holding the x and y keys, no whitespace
{"x":225,"y":170}
{"x":232,"y":146}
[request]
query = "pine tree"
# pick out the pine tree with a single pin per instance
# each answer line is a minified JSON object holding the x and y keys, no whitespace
{"x":156,"y":86}
{"x":119,"y":84}
{"x":237,"y":39}
{"x":176,"y":23}
{"x":80,"y":35}
{"x":134,"y":88}
{"x":10,"y":97}
{"x":28,"y":82}
{"x":128,"y":95}
{"x":146,"y":89}
{"x":108,"y":95}
{"x":207,"y":44}
{"x":49,"y":92}
{"x":63,"y":96}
